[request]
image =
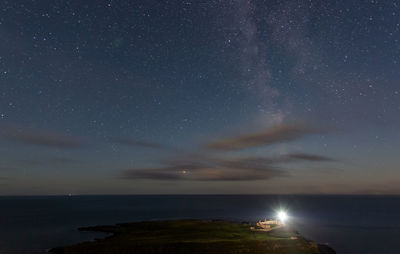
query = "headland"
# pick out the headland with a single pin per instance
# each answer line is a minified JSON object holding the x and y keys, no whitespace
{"x":194,"y":236}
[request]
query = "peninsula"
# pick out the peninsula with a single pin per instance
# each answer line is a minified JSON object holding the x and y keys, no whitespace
{"x":194,"y":236}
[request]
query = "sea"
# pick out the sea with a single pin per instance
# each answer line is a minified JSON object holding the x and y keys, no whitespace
{"x":349,"y":224}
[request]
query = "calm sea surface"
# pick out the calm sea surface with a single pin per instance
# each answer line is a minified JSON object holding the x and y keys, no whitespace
{"x":350,"y":224}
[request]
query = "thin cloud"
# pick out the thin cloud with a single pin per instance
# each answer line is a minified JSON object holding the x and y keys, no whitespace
{"x":250,"y":163}
{"x":45,"y":161}
{"x":208,"y":169}
{"x":309,"y":157}
{"x":151,"y":173}
{"x":205,"y":167}
{"x":201,"y":174}
{"x":278,"y":134}
{"x":41,"y":138}
{"x":215,"y":169}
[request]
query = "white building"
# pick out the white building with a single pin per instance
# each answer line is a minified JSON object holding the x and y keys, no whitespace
{"x":267,"y":223}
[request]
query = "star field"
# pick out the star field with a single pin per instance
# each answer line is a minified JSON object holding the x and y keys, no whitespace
{"x":121,"y":96}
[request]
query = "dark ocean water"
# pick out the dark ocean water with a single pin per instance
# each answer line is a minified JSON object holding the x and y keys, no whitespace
{"x":350,"y":224}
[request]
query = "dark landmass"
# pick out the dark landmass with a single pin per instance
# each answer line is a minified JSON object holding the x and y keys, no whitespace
{"x":325,"y":249}
{"x":194,"y":236}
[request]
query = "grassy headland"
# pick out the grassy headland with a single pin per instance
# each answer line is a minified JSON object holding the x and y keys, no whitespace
{"x":192,"y":236}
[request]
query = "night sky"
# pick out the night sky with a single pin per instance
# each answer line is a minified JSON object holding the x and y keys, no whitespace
{"x":183,"y":97}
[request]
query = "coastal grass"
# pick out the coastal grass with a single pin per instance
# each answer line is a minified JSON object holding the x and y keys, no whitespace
{"x":191,"y":236}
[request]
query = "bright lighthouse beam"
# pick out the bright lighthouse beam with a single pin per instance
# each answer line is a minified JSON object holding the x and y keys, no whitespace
{"x":282,"y":216}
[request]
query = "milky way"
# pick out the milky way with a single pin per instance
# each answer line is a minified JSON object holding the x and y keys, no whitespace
{"x":199,"y":97}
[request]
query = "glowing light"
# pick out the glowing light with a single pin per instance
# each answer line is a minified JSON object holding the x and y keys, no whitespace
{"x":282,"y":216}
